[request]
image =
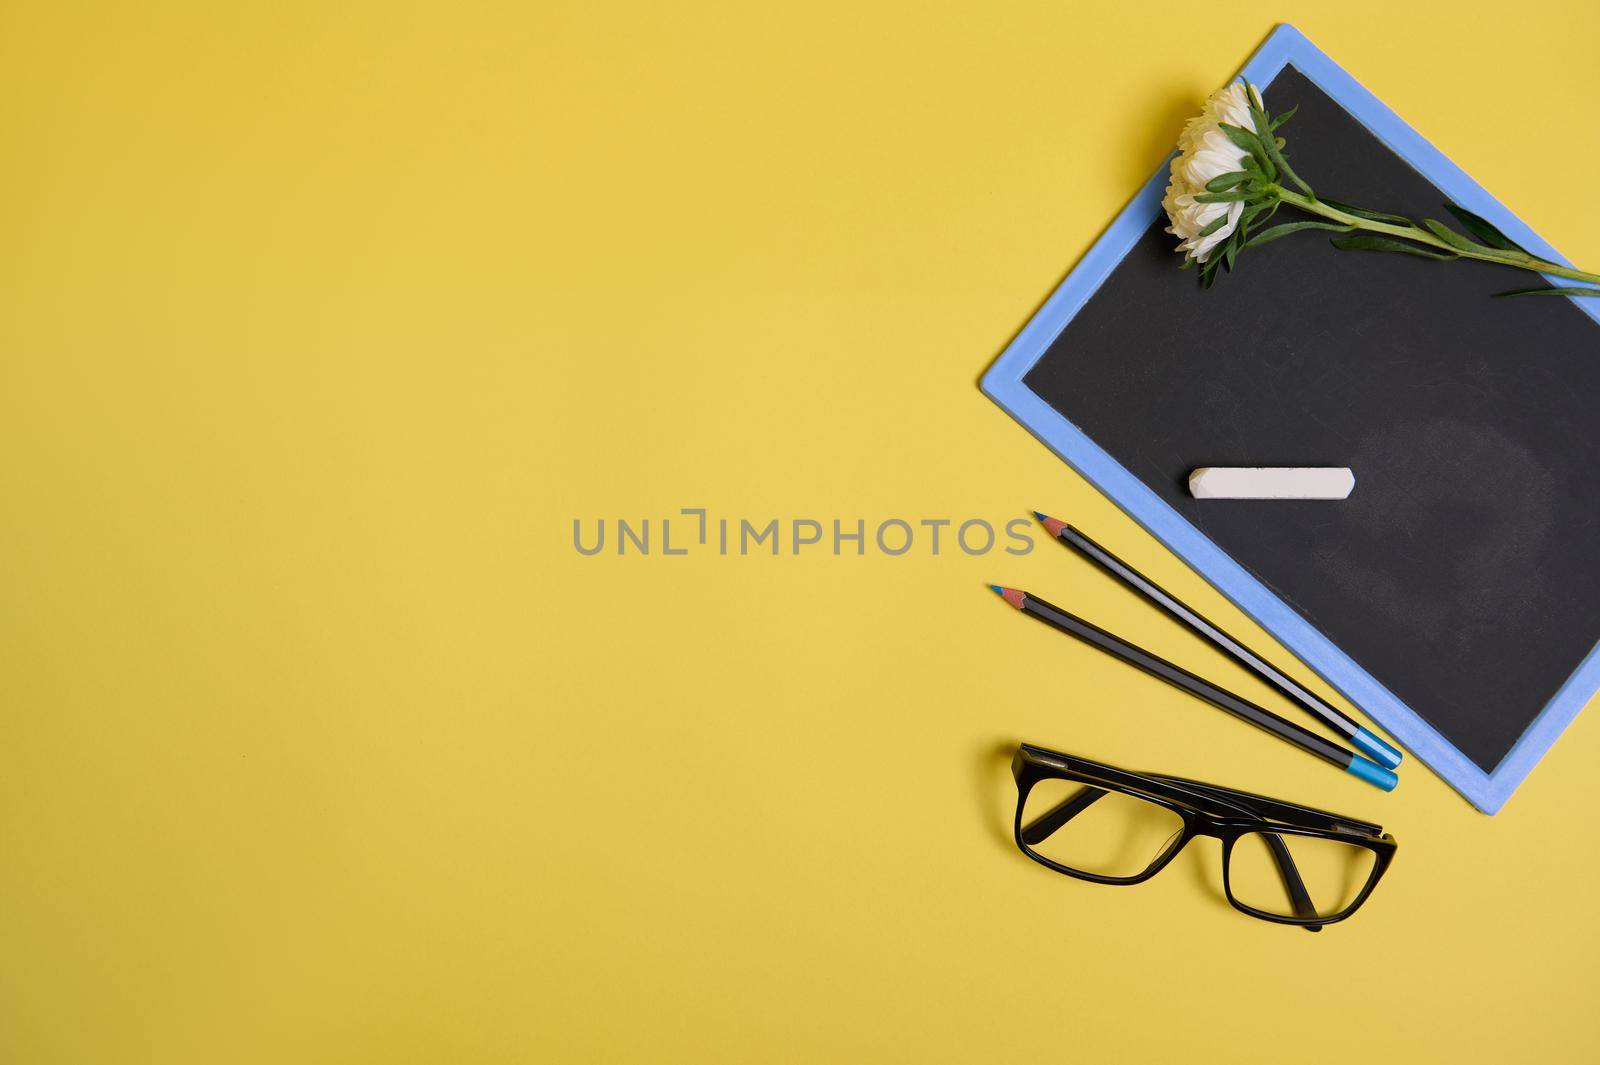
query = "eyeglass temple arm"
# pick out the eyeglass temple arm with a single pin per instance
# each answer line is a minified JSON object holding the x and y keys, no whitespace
{"x":1048,"y":823}
{"x":1186,"y":791}
{"x":1262,"y":806}
{"x":1292,"y":883}
{"x":1287,"y":870}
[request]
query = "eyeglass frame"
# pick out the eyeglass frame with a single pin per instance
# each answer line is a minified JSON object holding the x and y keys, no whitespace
{"x":1224,"y":814}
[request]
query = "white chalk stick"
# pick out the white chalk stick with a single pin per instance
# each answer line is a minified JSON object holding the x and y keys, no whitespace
{"x":1271,"y":482}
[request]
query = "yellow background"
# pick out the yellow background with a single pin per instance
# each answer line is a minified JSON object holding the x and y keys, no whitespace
{"x":319,"y":325}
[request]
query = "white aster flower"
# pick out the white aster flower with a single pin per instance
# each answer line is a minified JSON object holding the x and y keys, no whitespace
{"x":1229,"y":178}
{"x":1204,"y":154}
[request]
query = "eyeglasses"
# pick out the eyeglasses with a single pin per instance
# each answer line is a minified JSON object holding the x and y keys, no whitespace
{"x":1280,"y":861}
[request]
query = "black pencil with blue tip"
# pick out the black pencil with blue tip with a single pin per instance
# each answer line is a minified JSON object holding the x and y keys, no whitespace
{"x":1199,"y":687}
{"x":1364,"y":740}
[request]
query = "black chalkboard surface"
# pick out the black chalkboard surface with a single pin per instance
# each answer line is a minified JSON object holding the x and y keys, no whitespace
{"x":1463,"y":573}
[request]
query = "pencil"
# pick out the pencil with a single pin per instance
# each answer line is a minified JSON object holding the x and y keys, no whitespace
{"x":1200,"y":688}
{"x":1364,"y":740}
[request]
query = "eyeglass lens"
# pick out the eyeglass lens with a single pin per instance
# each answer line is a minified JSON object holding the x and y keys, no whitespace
{"x":1103,"y":833}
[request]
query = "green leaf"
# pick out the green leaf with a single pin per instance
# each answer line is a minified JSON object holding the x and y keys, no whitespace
{"x":1378,"y":242}
{"x":1244,"y":138}
{"x":1255,"y":211}
{"x":1223,"y":197}
{"x":1253,"y":214}
{"x":1362,"y":212}
{"x":1273,"y":147}
{"x":1216,"y":224}
{"x":1281,"y":119}
{"x":1567,"y":291}
{"x":1249,"y":142}
{"x":1484,"y":230}
{"x":1449,"y":236}
{"x":1284,"y":229}
{"x":1228,"y":181}
{"x":1211,"y":267}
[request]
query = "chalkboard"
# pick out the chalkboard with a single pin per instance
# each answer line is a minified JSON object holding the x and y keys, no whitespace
{"x":1461,"y":580}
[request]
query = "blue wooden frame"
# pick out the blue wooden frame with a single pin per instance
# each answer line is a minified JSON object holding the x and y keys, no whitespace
{"x":1004,"y":384}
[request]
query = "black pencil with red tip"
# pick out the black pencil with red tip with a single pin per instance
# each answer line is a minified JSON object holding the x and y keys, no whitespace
{"x":1199,"y":687}
{"x":1367,"y":742}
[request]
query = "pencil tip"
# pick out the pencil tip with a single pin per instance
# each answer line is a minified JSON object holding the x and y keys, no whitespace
{"x":1052,"y":525}
{"x":1010,"y":595}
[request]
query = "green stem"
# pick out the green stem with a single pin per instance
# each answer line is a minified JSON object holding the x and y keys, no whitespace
{"x":1418,"y":235}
